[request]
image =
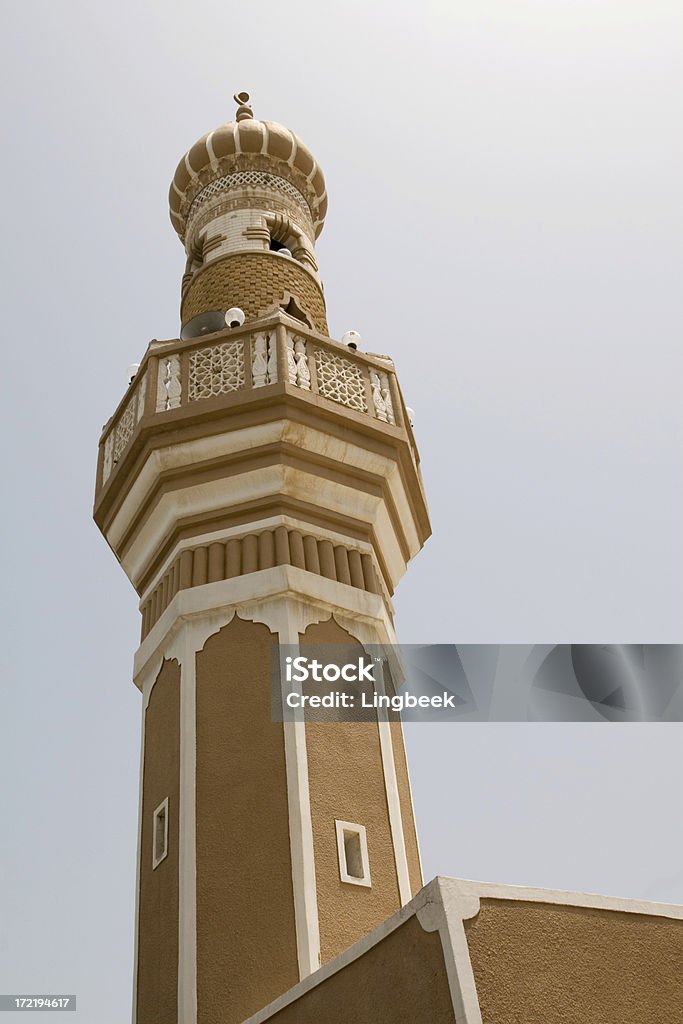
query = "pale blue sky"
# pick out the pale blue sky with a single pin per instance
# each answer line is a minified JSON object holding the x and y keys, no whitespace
{"x":506,"y":220}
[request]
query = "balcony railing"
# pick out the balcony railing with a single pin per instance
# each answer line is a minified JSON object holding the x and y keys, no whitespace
{"x":185,"y":374}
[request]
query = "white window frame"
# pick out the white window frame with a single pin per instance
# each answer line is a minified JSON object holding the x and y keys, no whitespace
{"x":359,"y":830}
{"x":156,"y":861}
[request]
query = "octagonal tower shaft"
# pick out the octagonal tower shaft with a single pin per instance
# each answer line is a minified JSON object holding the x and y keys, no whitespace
{"x":259,"y":485}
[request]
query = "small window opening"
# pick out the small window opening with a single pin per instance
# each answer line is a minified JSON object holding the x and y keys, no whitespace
{"x":275,"y":246}
{"x":352,"y":847}
{"x":160,"y":834}
{"x":352,"y":852}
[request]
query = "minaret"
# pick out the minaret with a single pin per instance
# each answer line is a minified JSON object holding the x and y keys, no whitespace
{"x":259,"y":483}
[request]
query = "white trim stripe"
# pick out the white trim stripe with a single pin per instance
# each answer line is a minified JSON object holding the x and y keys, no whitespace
{"x":187,"y":845}
{"x":136,"y":939}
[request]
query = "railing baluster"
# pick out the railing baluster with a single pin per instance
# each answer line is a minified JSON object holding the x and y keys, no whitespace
{"x":259,"y":362}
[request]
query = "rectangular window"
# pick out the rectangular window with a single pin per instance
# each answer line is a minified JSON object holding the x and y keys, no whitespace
{"x":160,"y":834}
{"x":352,"y":847}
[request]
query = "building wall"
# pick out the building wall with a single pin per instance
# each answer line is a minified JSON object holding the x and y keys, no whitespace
{"x":554,"y":964}
{"x":157,"y":980}
{"x":346,"y":782}
{"x":246,"y":937}
{"x":400,"y":980}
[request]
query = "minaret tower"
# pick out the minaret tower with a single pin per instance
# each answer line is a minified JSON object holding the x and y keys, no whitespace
{"x":259,"y":483}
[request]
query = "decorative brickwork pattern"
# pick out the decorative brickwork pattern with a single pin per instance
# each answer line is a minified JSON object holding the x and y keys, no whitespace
{"x":216,"y":370}
{"x":340,"y":380}
{"x":256,"y":283}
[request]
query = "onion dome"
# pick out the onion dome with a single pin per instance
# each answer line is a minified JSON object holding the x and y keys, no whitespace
{"x":245,"y":145}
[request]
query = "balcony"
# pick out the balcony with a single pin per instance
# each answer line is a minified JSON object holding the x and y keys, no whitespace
{"x":180,"y":382}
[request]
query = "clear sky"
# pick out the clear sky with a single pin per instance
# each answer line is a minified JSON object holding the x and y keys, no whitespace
{"x":506,"y":221}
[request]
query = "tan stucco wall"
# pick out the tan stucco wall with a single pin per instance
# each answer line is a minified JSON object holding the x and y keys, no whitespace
{"x":246,"y":939}
{"x":347,"y":783}
{"x":401,"y":980}
{"x":157,"y":982}
{"x":538,"y":963}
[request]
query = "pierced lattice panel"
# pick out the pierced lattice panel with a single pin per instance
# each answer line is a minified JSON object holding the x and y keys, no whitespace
{"x":340,"y":380}
{"x":124,"y":428}
{"x":216,"y":371}
{"x":253,"y":179}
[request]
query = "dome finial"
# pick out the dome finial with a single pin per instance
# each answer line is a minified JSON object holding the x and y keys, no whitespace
{"x":244,"y":111}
